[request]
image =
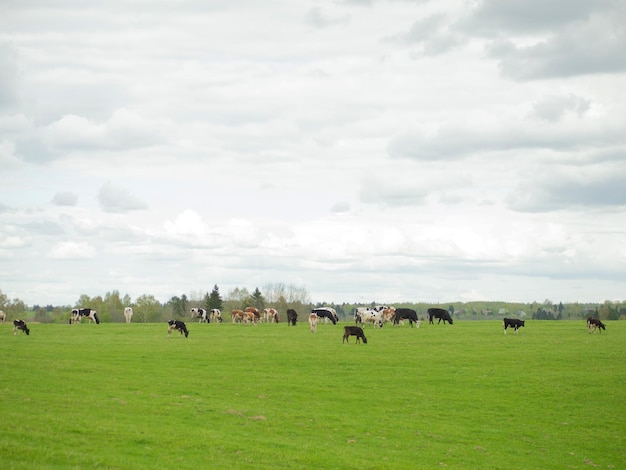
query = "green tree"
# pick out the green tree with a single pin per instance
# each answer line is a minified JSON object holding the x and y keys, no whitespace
{"x":147,"y":309}
{"x":214,"y":299}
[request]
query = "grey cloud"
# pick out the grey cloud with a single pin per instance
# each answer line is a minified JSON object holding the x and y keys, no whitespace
{"x":318,"y":19}
{"x":494,"y":17}
{"x":432,"y":34}
{"x":117,"y":199}
{"x":553,"y":108}
{"x":453,"y":143}
{"x":8,"y":77}
{"x":65,"y":199}
{"x":544,"y":195}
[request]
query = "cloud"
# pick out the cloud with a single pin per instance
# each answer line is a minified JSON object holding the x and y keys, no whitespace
{"x":553,"y":108}
{"x":65,"y":199}
{"x":588,"y":187}
{"x":114,"y":198}
{"x":72,"y":251}
{"x":592,"y":45}
{"x":124,"y":130}
{"x":317,"y":18}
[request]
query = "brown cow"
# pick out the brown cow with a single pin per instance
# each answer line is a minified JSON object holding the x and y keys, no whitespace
{"x":353,"y":331}
{"x":237,"y":316}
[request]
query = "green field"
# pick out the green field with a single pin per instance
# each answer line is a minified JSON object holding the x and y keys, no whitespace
{"x":273,"y":396}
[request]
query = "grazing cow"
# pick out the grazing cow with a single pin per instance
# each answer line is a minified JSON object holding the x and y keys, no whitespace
{"x":237,"y":316}
{"x":292,"y":317}
{"x":373,"y":315}
{"x":353,"y":331}
{"x":594,"y":324}
{"x":3,"y":317}
{"x":254,"y":311}
{"x":178,"y":326}
{"x":128,"y":314}
{"x":200,"y":314}
{"x":439,"y":313}
{"x":216,"y":315}
{"x":249,"y":317}
{"x":20,"y":325}
{"x":406,"y":314}
{"x":513,"y":323}
{"x":78,"y":313}
{"x":326,"y":313}
{"x":270,"y":315}
{"x":313,"y":319}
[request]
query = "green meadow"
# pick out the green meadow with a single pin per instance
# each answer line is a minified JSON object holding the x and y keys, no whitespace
{"x":272,"y":396}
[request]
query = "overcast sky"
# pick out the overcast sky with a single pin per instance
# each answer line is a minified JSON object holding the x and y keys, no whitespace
{"x":380,"y":150}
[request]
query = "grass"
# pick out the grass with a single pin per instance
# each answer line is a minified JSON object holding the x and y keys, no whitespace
{"x":272,"y":396}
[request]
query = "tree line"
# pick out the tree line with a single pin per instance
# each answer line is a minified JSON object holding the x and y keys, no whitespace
{"x":148,"y":309}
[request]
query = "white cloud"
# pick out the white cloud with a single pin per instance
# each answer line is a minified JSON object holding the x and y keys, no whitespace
{"x":72,"y":251}
{"x":393,"y":150}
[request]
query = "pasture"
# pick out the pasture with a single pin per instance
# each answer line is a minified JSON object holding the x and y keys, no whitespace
{"x":273,"y":396}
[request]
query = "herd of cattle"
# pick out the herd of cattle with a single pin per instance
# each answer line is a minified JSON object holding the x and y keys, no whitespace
{"x":374,"y":316}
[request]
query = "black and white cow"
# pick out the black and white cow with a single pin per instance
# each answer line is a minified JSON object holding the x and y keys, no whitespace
{"x":594,"y":324}
{"x":78,"y":313}
{"x":292,"y":317}
{"x":373,"y":315}
{"x":513,"y":323}
{"x":326,"y":313}
{"x":439,"y":313}
{"x":406,"y":314}
{"x":20,"y":325}
{"x":200,"y":314}
{"x":216,"y":316}
{"x":353,"y":331}
{"x":178,"y":326}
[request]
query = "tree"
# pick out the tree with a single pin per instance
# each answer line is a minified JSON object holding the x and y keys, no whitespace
{"x":147,"y":309}
{"x":213,"y":300}
{"x":257,"y":300}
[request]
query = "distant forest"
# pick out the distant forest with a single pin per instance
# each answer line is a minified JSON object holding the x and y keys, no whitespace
{"x":147,"y":308}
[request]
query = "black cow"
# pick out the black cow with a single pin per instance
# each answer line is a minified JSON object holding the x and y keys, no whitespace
{"x":325,"y":313}
{"x":79,"y":313}
{"x":353,"y":331}
{"x":20,"y":325}
{"x":406,"y":314}
{"x":177,"y":325}
{"x":513,"y":323}
{"x":594,"y":324}
{"x":292,"y":317}
{"x":439,"y":313}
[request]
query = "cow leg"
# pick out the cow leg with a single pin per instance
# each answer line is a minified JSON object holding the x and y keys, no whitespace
{"x":504,"y":329}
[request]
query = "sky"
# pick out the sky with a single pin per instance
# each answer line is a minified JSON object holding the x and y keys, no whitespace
{"x":381,"y":150}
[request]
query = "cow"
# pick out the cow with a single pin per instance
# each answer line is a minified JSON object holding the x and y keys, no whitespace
{"x":594,"y":324}
{"x":178,"y":326}
{"x":3,"y":317}
{"x":254,"y":311}
{"x":200,"y":314}
{"x":20,"y":325}
{"x":78,"y":313}
{"x":373,"y":315}
{"x":128,"y":314}
{"x":326,"y":313}
{"x":406,"y":314}
{"x":439,"y":313}
{"x":353,"y":331}
{"x":237,"y":316}
{"x":250,"y":317}
{"x":292,"y":317}
{"x":313,"y":320}
{"x":513,"y":323}
{"x":389,"y":314}
{"x":270,"y":315}
{"x":216,"y":315}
